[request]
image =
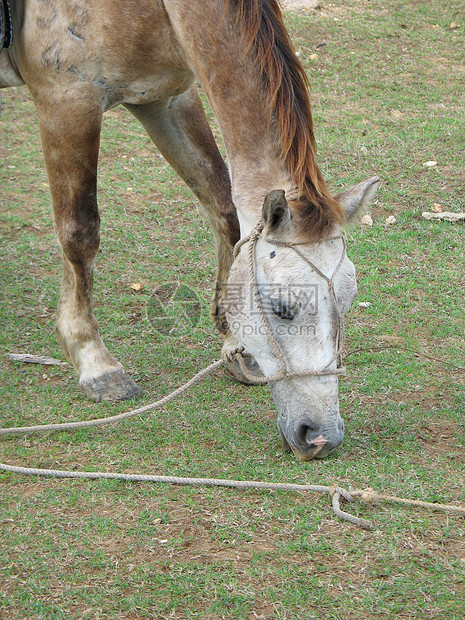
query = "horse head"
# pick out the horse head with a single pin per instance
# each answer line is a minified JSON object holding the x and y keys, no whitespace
{"x":285,"y":304}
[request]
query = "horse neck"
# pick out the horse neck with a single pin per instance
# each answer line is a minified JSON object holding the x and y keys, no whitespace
{"x":242,"y":108}
{"x":229,"y":73}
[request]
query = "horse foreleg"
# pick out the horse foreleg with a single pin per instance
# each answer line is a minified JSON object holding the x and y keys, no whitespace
{"x":181,"y":132}
{"x":70,"y":141}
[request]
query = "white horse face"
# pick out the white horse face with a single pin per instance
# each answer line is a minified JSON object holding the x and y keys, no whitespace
{"x":305,"y":321}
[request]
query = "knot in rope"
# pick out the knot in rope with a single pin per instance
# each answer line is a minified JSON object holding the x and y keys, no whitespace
{"x":367,"y":496}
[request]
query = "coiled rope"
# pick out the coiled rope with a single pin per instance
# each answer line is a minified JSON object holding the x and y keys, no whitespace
{"x":367,"y":496}
{"x":336,"y":492}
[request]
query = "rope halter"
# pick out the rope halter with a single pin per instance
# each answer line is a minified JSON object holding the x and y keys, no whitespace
{"x":239,"y":353}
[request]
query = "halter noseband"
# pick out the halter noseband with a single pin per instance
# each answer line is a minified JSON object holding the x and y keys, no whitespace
{"x":283,"y":372}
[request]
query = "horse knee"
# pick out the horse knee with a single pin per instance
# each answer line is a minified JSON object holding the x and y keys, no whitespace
{"x":79,"y":234}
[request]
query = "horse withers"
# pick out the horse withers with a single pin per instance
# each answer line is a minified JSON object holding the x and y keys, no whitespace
{"x":79,"y":60}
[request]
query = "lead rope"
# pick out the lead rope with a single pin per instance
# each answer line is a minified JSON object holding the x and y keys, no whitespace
{"x":334,"y":491}
{"x":367,"y":496}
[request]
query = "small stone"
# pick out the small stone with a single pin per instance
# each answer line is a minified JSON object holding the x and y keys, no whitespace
{"x":390,"y":220}
{"x":444,"y":215}
{"x":367,"y":220}
{"x":430,"y":164}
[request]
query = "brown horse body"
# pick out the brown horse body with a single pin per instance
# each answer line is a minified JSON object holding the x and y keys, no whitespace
{"x":79,"y":59}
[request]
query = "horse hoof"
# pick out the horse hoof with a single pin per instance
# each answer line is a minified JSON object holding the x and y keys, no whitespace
{"x":111,"y":386}
{"x":233,"y":370}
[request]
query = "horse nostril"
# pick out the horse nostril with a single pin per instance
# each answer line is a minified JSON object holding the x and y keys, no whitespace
{"x":304,"y":433}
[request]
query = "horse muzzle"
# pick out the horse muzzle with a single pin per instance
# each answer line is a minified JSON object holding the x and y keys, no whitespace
{"x":308,"y":442}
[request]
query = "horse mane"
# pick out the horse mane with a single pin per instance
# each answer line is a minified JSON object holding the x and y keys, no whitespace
{"x":284,"y":77}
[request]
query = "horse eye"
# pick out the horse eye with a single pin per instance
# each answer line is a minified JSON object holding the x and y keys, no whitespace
{"x":281,"y":310}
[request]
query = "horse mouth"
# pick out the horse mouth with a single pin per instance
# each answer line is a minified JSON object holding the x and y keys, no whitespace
{"x":316,"y":446}
{"x":311,"y":448}
{"x":315,"y":450}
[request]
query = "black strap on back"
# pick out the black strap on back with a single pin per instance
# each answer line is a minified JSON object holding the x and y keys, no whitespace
{"x":6,"y":24}
{"x":2,"y":25}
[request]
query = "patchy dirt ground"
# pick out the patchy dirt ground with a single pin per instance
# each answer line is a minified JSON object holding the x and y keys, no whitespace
{"x":300,"y":5}
{"x":118,"y":551}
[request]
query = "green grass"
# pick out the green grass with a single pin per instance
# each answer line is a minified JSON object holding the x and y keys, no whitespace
{"x":388,"y":96}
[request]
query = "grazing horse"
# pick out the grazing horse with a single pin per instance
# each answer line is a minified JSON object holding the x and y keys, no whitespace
{"x":290,"y":281}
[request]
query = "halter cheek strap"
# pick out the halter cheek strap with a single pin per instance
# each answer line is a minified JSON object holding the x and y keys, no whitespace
{"x":283,"y":372}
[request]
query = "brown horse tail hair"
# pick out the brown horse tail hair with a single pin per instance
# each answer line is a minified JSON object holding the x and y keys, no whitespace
{"x":284,"y":77}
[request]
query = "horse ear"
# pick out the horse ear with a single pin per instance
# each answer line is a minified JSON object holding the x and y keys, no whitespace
{"x":276,"y":214}
{"x":356,"y":199}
